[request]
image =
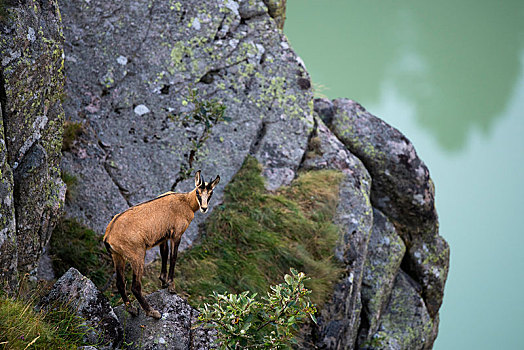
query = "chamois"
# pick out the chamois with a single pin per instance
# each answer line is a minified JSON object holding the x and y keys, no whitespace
{"x":152,"y":223}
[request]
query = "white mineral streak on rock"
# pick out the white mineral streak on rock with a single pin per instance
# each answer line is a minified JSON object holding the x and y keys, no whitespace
{"x":141,"y":110}
{"x":233,"y":6}
{"x":31,"y":34}
{"x":196,"y":24}
{"x":122,"y":60}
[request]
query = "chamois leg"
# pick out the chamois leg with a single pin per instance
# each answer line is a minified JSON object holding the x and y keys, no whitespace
{"x":120,"y":265}
{"x":173,"y":256}
{"x":164,"y":250}
{"x":136,"y":288}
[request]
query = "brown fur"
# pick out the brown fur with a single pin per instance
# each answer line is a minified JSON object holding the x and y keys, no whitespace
{"x":152,"y":223}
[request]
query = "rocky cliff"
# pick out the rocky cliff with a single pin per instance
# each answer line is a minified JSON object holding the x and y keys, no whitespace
{"x":131,"y":67}
{"x":31,"y":89}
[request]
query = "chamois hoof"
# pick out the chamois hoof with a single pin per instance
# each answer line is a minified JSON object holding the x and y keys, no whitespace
{"x":171,"y":288}
{"x":164,"y":282}
{"x":132,"y":310}
{"x":154,"y":313}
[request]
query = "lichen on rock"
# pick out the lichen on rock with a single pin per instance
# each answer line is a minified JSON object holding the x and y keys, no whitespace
{"x":80,"y":295}
{"x":31,"y":91}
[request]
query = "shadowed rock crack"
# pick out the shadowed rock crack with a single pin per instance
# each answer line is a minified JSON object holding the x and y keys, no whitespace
{"x":3,"y":103}
{"x":312,"y":133}
{"x":261,"y":133}
{"x":123,"y":191}
{"x":190,"y":342}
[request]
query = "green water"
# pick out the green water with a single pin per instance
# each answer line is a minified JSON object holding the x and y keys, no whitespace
{"x":450,"y":76}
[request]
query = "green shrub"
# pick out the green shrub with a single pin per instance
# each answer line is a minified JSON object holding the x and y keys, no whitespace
{"x":245,"y":322}
{"x":74,"y":245}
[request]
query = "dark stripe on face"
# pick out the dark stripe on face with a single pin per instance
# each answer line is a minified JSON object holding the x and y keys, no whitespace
{"x":199,"y":199}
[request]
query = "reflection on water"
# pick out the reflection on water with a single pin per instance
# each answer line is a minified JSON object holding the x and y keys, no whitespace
{"x":449,"y":75}
{"x":456,"y":60}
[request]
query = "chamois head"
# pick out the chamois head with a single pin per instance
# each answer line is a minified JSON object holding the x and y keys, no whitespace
{"x":204,"y":190}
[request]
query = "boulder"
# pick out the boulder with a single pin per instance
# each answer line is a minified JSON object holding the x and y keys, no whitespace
{"x":31,"y":132}
{"x":402,"y":189}
{"x":277,"y":10}
{"x":8,"y":244}
{"x":175,"y":330}
{"x":81,"y":295}
{"x":406,"y":323}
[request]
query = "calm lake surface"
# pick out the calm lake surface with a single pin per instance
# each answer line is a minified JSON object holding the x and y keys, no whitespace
{"x":450,"y":76}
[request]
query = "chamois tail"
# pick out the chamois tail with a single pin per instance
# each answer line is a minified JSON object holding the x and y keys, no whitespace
{"x":113,"y":276}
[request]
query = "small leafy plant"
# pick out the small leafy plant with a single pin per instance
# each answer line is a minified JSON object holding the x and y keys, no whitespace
{"x":247,"y":322}
{"x":205,"y":112}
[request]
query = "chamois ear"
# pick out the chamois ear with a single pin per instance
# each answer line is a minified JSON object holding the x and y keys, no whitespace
{"x":215,"y":182}
{"x":199,"y":181}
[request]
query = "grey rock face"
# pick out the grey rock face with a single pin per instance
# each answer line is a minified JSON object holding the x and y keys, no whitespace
{"x":31,"y":131}
{"x":8,"y":246}
{"x":340,"y":318}
{"x":385,"y":253}
{"x":77,"y":291}
{"x":402,"y":189}
{"x":230,"y":51}
{"x":406,"y":323}
{"x":175,"y":330}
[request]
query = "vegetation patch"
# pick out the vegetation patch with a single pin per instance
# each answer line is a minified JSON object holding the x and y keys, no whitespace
{"x":72,"y":131}
{"x":75,"y":245}
{"x":251,"y":322}
{"x":255,"y":237}
{"x":23,"y":328}
{"x":70,"y":181}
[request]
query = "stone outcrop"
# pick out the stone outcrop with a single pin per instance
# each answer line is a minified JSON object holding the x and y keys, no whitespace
{"x":108,"y":328}
{"x":402,"y":189}
{"x":406,"y":260}
{"x":31,"y":89}
{"x":177,"y":329}
{"x":81,"y":295}
{"x":385,"y":253}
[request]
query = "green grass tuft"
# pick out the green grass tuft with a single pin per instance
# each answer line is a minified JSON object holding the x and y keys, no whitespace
{"x":23,"y":328}
{"x":255,"y":237}
{"x":72,"y":130}
{"x":70,"y":180}
{"x":74,"y":245}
